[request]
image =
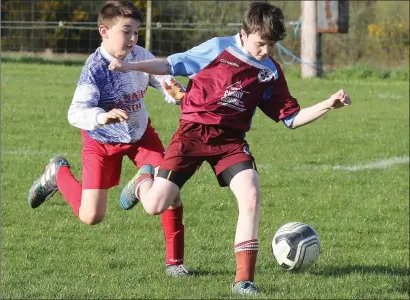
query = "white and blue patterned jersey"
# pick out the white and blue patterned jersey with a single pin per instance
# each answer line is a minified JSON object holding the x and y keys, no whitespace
{"x":100,"y":90}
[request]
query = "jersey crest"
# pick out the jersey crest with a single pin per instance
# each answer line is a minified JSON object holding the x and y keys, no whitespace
{"x":265,"y":75}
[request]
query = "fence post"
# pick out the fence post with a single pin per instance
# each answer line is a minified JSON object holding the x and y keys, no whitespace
{"x":308,"y":39}
{"x":148,"y":26}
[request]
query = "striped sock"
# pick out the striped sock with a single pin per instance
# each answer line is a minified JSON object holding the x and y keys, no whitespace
{"x":246,"y":253}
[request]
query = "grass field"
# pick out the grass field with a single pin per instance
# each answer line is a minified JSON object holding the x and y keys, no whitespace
{"x":347,"y":175}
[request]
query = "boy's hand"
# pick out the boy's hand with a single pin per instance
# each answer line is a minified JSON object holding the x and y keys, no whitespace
{"x":115,"y":115}
{"x":339,"y":99}
{"x":118,"y":65}
{"x":175,"y":89}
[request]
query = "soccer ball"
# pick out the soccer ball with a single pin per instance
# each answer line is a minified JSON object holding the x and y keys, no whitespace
{"x":296,"y":246}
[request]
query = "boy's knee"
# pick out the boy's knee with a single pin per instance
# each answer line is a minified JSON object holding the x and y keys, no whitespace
{"x":155,"y":210}
{"x":159,"y":202}
{"x":91,"y":218}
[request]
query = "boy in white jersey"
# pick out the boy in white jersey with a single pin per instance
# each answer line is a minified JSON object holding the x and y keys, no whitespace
{"x":108,"y":107}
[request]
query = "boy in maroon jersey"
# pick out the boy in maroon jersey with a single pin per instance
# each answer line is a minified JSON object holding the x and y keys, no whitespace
{"x":229,"y":78}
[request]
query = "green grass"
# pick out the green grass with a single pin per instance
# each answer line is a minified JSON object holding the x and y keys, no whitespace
{"x":359,"y":71}
{"x":361,"y":217}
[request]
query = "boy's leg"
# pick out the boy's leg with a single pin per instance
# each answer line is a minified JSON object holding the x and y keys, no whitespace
{"x":149,"y":150}
{"x":178,"y":165}
{"x":70,"y":188}
{"x":157,"y":197}
{"x":173,"y":228}
{"x":245,"y":186}
{"x":89,"y":205}
{"x":237,"y":170}
{"x":58,"y":177}
{"x":93,"y":206}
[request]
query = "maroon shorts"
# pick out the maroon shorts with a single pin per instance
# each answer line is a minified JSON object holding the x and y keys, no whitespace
{"x":193,"y":144}
{"x":102,"y":162}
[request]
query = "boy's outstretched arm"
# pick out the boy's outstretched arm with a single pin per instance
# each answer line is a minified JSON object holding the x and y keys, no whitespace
{"x":157,"y":66}
{"x":309,"y":114}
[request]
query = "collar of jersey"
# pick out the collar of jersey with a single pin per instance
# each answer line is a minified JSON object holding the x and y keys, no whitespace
{"x":246,"y":52}
{"x":109,"y":57}
{"x":239,"y":44}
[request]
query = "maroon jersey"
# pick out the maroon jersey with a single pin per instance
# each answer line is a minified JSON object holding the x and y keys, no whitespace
{"x":226,"y":85}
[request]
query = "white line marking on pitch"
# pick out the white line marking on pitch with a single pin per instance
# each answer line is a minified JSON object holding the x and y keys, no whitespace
{"x":30,"y":153}
{"x":380,"y":164}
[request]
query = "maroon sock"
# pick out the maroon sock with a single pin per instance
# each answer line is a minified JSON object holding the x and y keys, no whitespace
{"x":173,"y":228}
{"x":70,"y":188}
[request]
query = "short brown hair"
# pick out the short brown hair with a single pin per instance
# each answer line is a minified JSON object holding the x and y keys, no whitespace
{"x":266,"y":19}
{"x":114,"y":9}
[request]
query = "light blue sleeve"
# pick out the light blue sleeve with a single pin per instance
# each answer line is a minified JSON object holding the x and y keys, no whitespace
{"x":194,"y":60}
{"x":288,"y":121}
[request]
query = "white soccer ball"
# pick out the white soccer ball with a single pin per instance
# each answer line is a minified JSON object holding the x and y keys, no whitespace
{"x":296,"y":246}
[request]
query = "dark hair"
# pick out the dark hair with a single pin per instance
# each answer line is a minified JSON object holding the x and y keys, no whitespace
{"x":266,"y":19}
{"x":113,"y":9}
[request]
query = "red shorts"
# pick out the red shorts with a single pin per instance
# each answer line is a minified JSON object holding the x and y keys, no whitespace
{"x":193,"y":144}
{"x":102,"y":162}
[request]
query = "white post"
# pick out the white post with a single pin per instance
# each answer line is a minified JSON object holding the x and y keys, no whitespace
{"x":308,"y":39}
{"x":148,"y":26}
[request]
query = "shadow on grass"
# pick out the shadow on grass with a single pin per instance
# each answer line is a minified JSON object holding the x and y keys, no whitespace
{"x":207,"y":272}
{"x":401,"y":286}
{"x":341,"y":271}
